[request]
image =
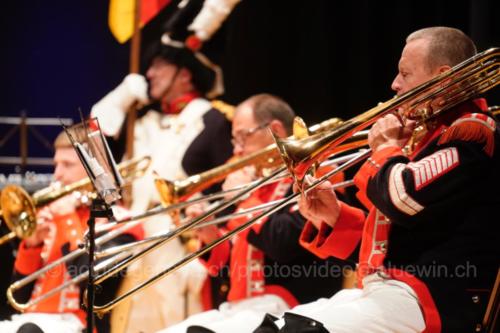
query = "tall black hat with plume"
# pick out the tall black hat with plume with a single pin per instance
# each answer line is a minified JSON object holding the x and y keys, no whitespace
{"x":192,"y":24}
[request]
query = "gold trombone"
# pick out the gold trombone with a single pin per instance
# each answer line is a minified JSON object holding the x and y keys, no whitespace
{"x":101,"y":310}
{"x":464,"y":81}
{"x":221,"y":219}
{"x":19,"y":209}
{"x":106,"y":264}
{"x":172,"y":192}
{"x":423,"y":103}
{"x":358,"y":141}
{"x":27,"y":206}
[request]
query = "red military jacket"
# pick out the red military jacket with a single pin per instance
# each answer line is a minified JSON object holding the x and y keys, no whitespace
{"x":246,"y":261}
{"x":67,"y":232}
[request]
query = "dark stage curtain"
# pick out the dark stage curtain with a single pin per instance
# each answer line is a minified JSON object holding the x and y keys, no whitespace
{"x":336,"y":58}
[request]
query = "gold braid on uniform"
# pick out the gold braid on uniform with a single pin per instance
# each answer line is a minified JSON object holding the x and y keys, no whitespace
{"x":224,"y":108}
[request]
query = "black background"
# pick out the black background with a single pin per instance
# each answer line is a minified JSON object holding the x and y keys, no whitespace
{"x":326,"y":58}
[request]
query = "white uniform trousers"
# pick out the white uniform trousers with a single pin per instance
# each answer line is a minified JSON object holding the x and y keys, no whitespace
{"x":383,"y":305}
{"x":242,"y":316}
{"x":48,"y":322}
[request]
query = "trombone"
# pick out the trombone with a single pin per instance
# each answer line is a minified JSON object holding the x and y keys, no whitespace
{"x":174,"y":191}
{"x":464,"y":81}
{"x":221,"y":219}
{"x":19,"y":209}
{"x":129,"y":170}
{"x":423,"y":103}
{"x":259,"y":208}
{"x":174,"y":194}
{"x":101,"y":310}
{"x":77,"y":279}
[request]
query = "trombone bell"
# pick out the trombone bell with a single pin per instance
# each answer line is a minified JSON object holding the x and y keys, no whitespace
{"x":298,"y":154}
{"x":18,"y":211}
{"x":19,"y":208}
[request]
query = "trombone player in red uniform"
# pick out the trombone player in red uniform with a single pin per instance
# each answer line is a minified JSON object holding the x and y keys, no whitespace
{"x":268,"y":269}
{"x":60,"y":229}
{"x":426,"y":248}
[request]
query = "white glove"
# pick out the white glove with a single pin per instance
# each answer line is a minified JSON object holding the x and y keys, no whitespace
{"x":111,"y":109}
{"x":137,"y":87}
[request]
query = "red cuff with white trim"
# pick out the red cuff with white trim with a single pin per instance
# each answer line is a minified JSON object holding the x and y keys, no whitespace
{"x":339,"y":241}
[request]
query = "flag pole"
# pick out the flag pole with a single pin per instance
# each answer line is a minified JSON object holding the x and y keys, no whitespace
{"x":120,"y":316}
{"x":135,"y":49}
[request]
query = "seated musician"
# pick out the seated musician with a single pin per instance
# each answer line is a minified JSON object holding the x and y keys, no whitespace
{"x":61,"y":225}
{"x":427,"y":249}
{"x":268,"y":269}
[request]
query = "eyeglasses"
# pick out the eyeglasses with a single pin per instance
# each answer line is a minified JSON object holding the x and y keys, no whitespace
{"x":242,"y":136}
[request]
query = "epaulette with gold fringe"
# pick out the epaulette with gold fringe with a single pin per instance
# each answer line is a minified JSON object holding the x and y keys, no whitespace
{"x":224,"y":108}
{"x":473,"y":127}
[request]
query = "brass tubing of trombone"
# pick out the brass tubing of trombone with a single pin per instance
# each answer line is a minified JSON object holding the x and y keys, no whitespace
{"x":486,"y":64}
{"x":151,"y":212}
{"x":159,"y":237}
{"x":265,"y":159}
{"x":101,"y":310}
{"x":7,"y":237}
{"x":225,"y":218}
{"x":300,"y":155}
{"x":453,"y":81}
{"x":77,"y":279}
{"x":161,"y":209}
{"x":47,"y":195}
{"x":70,"y":256}
{"x":124,"y":247}
{"x":465,"y":93}
{"x":19,"y":208}
{"x":132,"y":245}
{"x":187,"y":227}
{"x":175,"y":191}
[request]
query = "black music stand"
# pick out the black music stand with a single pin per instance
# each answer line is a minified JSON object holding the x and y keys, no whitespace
{"x":95,"y":155}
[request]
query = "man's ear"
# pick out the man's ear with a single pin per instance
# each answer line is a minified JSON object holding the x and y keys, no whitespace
{"x":278,"y":128}
{"x":185,"y":75}
{"x":443,"y":68}
{"x":440,"y":70}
